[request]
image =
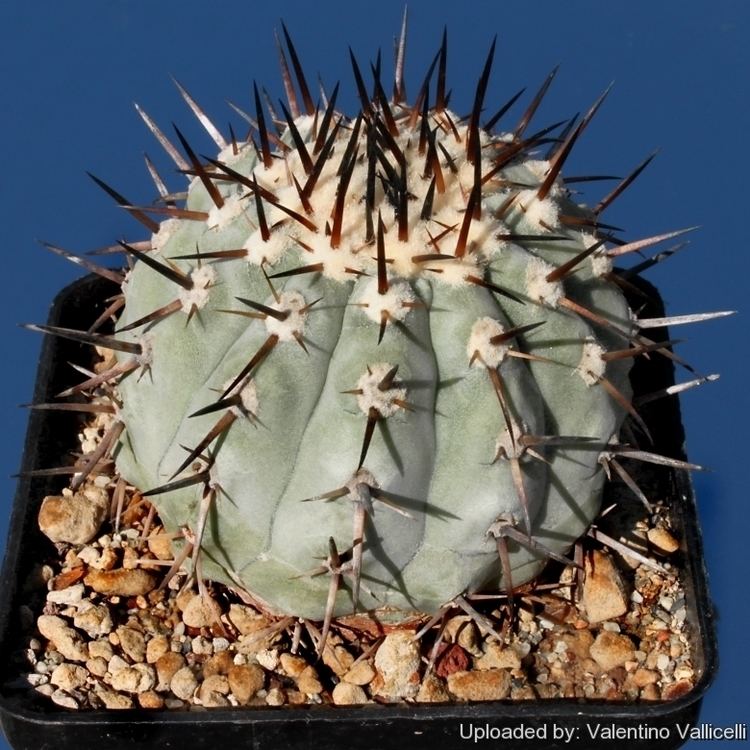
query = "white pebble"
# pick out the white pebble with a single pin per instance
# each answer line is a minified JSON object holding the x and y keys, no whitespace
{"x":202,"y":645}
{"x":268,"y":658}
{"x":68,"y":596}
{"x":61,"y":698}
{"x":666,"y":602}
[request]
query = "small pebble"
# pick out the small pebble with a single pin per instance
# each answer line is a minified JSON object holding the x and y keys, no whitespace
{"x":69,"y":676}
{"x":166,"y":667}
{"x":245,"y":680}
{"x":200,"y":612}
{"x":611,"y":650}
{"x":116,"y":663}
{"x":662,"y":662}
{"x":66,"y":640}
{"x":347,"y":694}
{"x":643,"y":677}
{"x":201,"y":645}
{"x":496,"y":656}
{"x":219,"y":663}
{"x":650,"y":693}
{"x":132,"y":643}
{"x":338,"y":659}
{"x":68,"y":596}
{"x":361,"y":673}
{"x":136,"y":679}
{"x":397,"y":661}
{"x":121,"y":582}
{"x":247,"y":620}
{"x":184,"y":683}
{"x":101,"y":649}
{"x":433,"y":690}
{"x":308,"y":682}
{"x":111,"y":699}
{"x":213,"y":691}
{"x":156,"y":648}
{"x":462,"y":630}
{"x":73,"y":519}
{"x":275,"y":697}
{"x":676,"y":690}
{"x":150,"y":699}
{"x":491,"y":684}
{"x":97,"y":666}
{"x":292,"y":665}
{"x":160,"y":546}
{"x":663,"y":540}
{"x":268,"y":658}
{"x":61,"y":698}
{"x":94,"y":620}
{"x":603,"y":590}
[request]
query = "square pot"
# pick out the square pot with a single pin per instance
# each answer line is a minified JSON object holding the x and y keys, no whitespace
{"x":33,"y":723}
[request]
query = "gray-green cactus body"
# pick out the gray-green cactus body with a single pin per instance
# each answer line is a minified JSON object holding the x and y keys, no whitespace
{"x":405,"y":348}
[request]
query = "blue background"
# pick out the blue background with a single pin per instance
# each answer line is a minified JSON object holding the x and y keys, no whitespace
{"x":72,"y":70}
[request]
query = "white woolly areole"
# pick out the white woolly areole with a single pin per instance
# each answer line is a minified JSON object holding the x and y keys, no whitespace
{"x":269,"y":252}
{"x":540,"y":214}
{"x":453,"y":271}
{"x":291,"y":302}
{"x":538,"y":288}
{"x":248,"y":393}
{"x":490,"y":354}
{"x":537,"y":167}
{"x":393,"y":301}
{"x":146,"y":357}
{"x":591,"y":367}
{"x":227,"y":155}
{"x":167,"y":229}
{"x":233,"y":207}
{"x":335,"y":260}
{"x":494,"y":245}
{"x":359,"y":487}
{"x":202,"y":278}
{"x":601,"y":264}
{"x":372,"y":396}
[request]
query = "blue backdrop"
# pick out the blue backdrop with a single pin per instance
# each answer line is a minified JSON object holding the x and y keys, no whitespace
{"x":72,"y":70}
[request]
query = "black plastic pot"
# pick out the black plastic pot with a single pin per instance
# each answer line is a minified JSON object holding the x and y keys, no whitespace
{"x":32,"y":723}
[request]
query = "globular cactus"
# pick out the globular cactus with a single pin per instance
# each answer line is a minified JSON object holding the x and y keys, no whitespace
{"x":373,"y":361}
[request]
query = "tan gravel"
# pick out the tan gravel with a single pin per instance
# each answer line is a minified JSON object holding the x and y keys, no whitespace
{"x":75,"y":519}
{"x":121,"y":582}
{"x":604,"y":596}
{"x":489,"y":685}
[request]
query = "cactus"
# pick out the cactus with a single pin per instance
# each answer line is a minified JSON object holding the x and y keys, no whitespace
{"x":376,"y":361}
